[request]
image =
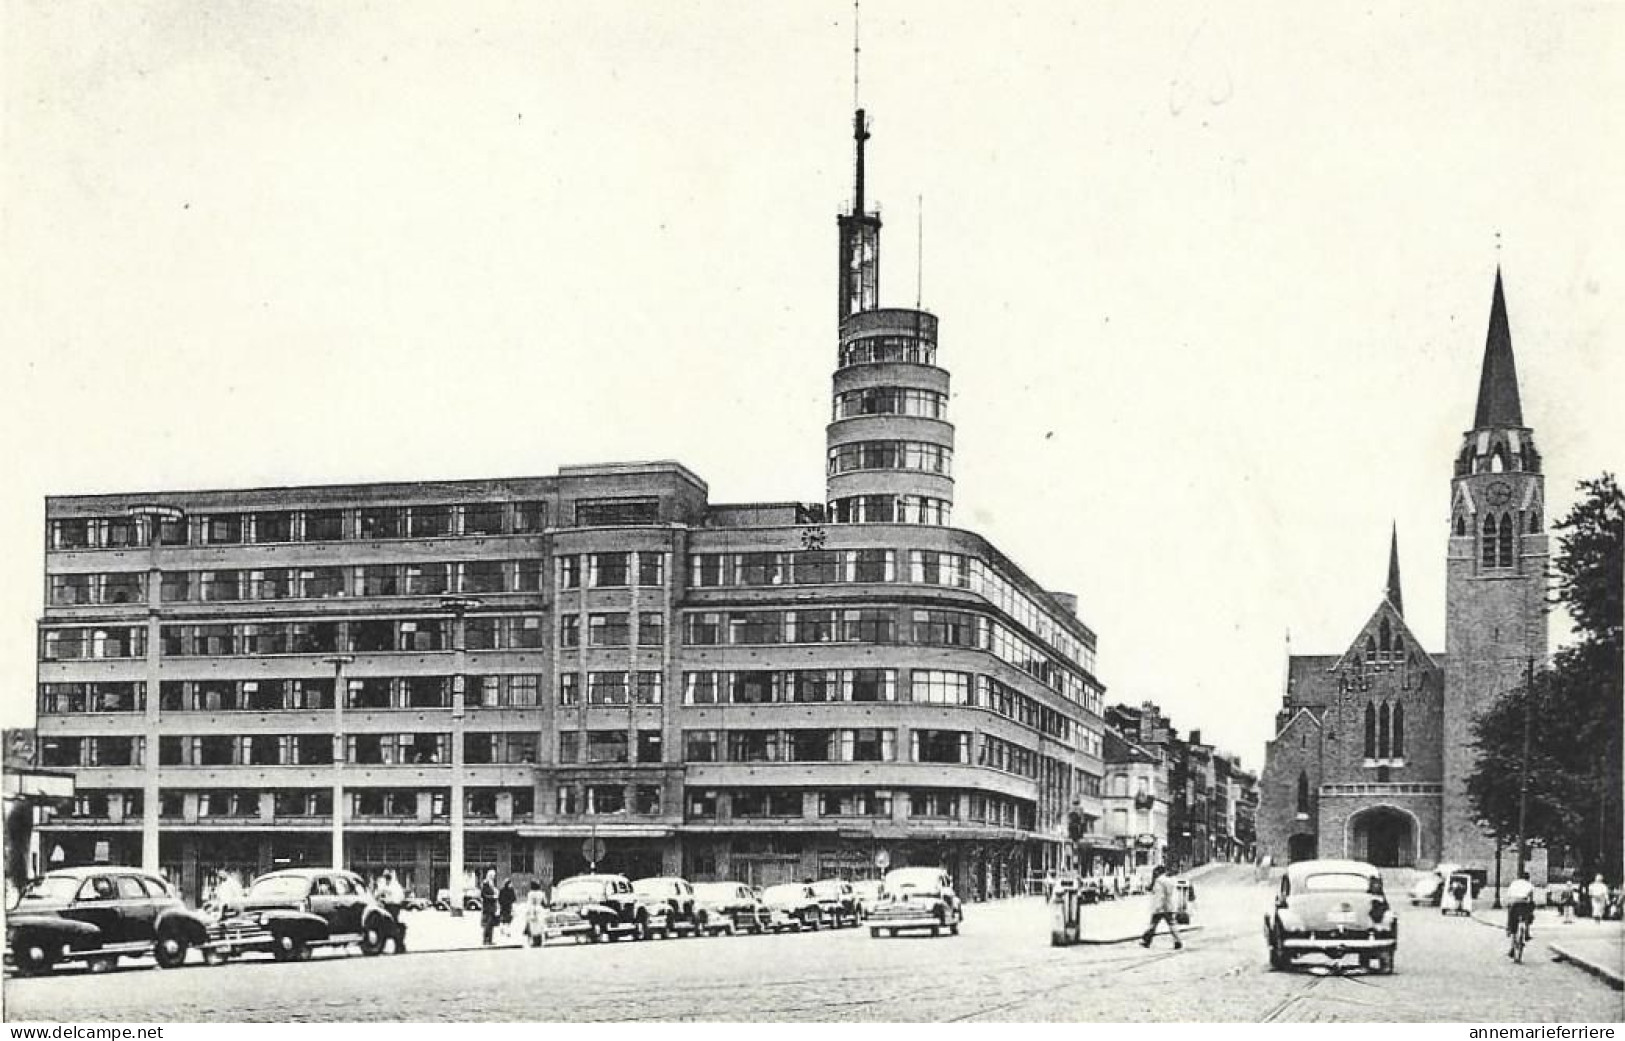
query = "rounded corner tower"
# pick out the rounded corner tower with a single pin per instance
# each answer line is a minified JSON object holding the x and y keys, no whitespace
{"x":889,"y":445}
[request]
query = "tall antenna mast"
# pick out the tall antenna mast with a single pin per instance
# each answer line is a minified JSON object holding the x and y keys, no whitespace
{"x":919,"y":251}
{"x":855,"y":52}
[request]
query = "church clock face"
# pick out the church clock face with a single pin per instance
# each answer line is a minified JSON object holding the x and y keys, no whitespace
{"x":1499,"y":493}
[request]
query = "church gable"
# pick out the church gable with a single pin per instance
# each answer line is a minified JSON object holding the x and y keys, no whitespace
{"x":1385,"y":640}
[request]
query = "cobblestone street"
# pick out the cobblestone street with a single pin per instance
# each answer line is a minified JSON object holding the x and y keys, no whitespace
{"x":1001,"y":968}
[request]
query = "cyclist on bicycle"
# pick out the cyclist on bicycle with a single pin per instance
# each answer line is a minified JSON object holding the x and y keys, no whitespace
{"x":1520,"y":903}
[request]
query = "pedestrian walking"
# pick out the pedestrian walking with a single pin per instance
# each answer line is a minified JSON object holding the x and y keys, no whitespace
{"x":1565,"y":901}
{"x":505,"y":898}
{"x":488,"y":906}
{"x":1162,"y":907}
{"x":1598,"y":897}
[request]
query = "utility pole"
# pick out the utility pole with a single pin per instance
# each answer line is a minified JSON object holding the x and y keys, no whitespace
{"x":1523,"y":784}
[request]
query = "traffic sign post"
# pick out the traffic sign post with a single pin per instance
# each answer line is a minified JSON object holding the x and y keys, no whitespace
{"x":593,"y":850}
{"x":882,"y":859}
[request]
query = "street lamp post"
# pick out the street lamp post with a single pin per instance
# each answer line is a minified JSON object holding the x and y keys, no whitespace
{"x":459,"y":606}
{"x":340,"y":694}
{"x":1523,"y":783}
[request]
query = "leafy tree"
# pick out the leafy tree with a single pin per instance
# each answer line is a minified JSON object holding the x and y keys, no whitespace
{"x":1574,"y":710}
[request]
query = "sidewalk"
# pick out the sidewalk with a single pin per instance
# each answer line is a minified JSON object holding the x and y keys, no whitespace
{"x":428,"y":931}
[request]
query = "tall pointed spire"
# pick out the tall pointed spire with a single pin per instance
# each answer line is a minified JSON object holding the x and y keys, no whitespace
{"x":1394,"y":595}
{"x":1498,"y":404}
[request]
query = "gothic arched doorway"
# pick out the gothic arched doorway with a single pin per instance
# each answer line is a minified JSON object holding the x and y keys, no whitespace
{"x":1383,"y":837}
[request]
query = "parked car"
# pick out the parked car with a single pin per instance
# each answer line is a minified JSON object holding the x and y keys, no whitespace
{"x":732,"y":907}
{"x":413,"y":902}
{"x":98,"y":915}
{"x":599,"y":908}
{"x":1334,"y":908}
{"x":792,"y":905}
{"x":868,"y":894}
{"x":470,"y":899}
{"x":917,"y":898}
{"x":683,"y":915}
{"x":838,"y":902}
{"x":290,"y":913}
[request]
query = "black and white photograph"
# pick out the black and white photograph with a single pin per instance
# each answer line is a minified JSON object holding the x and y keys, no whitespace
{"x":457,"y":566}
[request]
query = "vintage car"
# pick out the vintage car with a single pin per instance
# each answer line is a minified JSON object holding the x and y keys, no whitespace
{"x":792,"y":906}
{"x":731,"y":907}
{"x":868,"y":895}
{"x":97,"y":915}
{"x":1334,"y":908}
{"x":683,"y":915}
{"x":598,"y":908}
{"x":917,"y":898}
{"x":290,"y":913}
{"x":838,"y":902}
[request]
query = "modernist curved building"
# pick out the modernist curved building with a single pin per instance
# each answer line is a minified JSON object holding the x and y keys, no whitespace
{"x":441,"y":677}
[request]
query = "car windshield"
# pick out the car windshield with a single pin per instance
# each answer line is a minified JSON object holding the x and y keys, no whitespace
{"x":783,"y":894}
{"x":900,"y":880}
{"x":715,"y":891}
{"x":1342,"y":882}
{"x":580,"y":889}
{"x":51,"y":887}
{"x":279,"y":887}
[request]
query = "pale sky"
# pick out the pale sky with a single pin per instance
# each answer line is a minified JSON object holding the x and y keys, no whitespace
{"x":1213,"y":285}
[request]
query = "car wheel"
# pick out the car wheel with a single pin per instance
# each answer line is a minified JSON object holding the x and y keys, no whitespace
{"x":32,"y":958}
{"x":372,"y":940}
{"x":1385,"y":964}
{"x":953,"y":929}
{"x":874,"y":932}
{"x":1278,"y":959}
{"x":936,"y":930}
{"x":170,"y":950}
{"x":891,"y":932}
{"x":640,"y":930}
{"x":811,"y":921}
{"x":286,"y":948}
{"x":598,"y":933}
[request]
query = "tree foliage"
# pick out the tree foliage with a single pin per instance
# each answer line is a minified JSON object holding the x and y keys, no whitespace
{"x":1574,"y":709}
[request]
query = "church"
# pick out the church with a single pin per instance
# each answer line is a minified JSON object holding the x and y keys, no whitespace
{"x":1373,"y":745}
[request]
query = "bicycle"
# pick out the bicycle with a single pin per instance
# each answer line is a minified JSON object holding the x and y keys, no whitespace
{"x":1520,"y":937}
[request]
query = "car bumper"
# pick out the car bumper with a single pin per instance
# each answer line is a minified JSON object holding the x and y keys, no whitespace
{"x":910,"y":919}
{"x":1337,"y":947}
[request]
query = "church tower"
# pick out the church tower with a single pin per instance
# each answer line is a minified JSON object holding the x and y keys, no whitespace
{"x":1495,"y":591}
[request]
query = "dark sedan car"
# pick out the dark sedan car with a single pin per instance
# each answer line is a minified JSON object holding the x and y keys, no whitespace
{"x":97,"y":915}
{"x":1334,"y":908}
{"x":682,"y":914}
{"x":289,"y":913}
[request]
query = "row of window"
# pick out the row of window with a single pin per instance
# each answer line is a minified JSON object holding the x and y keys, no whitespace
{"x":937,"y":628}
{"x":891,"y":455}
{"x":809,"y":567}
{"x":485,"y":803}
{"x":891,"y":401}
{"x":641,"y":687}
{"x":926,"y":567}
{"x":481,"y":748}
{"x":311,"y":583}
{"x":227,"y":803}
{"x":610,"y":746}
{"x":519,"y":690}
{"x":611,"y":570}
{"x":613,"y":629}
{"x":917,"y":350}
{"x":311,"y":525}
{"x":849,"y":745}
{"x":890,"y":509}
{"x":931,"y":567}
